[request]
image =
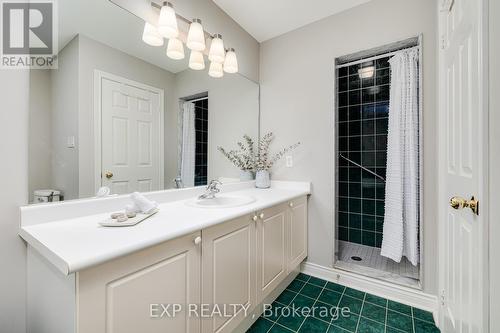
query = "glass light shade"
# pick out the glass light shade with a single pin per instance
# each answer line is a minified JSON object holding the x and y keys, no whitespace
{"x":196,"y":61}
{"x":217,"y":52}
{"x":215,"y":70}
{"x":167,"y":23}
{"x":196,"y":36}
{"x":231,"y":62}
{"x":367,"y":72}
{"x":151,"y":35}
{"x":175,"y":49}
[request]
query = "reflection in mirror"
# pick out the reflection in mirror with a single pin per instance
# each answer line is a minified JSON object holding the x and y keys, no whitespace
{"x":121,"y":114}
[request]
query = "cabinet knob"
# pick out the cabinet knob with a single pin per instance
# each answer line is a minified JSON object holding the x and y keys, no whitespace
{"x":255,"y":218}
{"x":197,"y":240}
{"x":261,"y":215}
{"x":290,"y":204}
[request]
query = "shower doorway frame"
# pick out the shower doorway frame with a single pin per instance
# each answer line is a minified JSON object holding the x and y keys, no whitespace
{"x":377,"y":55}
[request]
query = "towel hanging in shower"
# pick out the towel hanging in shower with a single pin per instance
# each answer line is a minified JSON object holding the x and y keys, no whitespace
{"x":400,"y":237}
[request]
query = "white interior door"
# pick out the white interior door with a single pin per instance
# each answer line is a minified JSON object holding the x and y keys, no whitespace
{"x":463,"y":143}
{"x":130,"y":137}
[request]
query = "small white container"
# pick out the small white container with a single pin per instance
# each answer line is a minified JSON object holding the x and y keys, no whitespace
{"x":46,"y":196}
{"x":262,"y":179}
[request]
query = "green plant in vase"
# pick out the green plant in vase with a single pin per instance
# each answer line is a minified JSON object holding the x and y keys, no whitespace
{"x":242,"y":158}
{"x":265,"y":160}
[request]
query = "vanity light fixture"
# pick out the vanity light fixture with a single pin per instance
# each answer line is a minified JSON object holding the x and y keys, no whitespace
{"x":196,"y":36}
{"x":367,"y":72}
{"x":175,"y":49}
{"x":151,"y":36}
{"x":217,"y":52}
{"x":196,"y":60}
{"x":231,"y":62}
{"x":215,"y":70}
{"x":167,"y":22}
{"x":221,"y":60}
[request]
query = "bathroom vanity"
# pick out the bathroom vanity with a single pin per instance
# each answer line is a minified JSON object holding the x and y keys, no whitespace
{"x":170,"y":273}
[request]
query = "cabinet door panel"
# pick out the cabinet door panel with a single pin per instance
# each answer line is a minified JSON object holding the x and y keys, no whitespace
{"x":297,"y":232}
{"x":120,"y":296}
{"x":228,"y":270}
{"x":271,"y":255}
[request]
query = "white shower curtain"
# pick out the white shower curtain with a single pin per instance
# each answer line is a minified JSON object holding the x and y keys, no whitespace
{"x":188,"y":145}
{"x":400,"y":237}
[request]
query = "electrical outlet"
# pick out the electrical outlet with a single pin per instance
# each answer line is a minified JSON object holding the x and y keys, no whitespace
{"x":289,"y":161}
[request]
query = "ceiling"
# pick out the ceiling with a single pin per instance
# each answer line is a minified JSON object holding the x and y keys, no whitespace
{"x":266,"y":19}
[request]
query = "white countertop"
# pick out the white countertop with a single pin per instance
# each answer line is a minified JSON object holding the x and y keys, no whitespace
{"x":73,"y":244}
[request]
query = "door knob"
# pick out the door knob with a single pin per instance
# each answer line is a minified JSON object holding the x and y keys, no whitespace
{"x":197,"y":240}
{"x":108,"y":174}
{"x":459,"y":203}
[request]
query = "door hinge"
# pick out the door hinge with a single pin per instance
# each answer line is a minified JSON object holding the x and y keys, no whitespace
{"x":442,"y":298}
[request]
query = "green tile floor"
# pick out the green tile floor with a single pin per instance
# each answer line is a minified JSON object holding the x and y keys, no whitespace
{"x":368,"y":313}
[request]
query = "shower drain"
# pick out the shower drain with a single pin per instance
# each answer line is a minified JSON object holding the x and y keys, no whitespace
{"x":355,"y":258}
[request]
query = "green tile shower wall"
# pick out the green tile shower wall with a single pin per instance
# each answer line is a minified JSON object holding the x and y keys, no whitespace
{"x":363,"y":110}
{"x":201,"y":137}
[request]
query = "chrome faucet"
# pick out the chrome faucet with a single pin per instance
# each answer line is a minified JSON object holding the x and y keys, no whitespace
{"x":211,"y":190}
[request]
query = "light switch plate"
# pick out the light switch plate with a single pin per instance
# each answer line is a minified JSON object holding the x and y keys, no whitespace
{"x":289,"y":161}
{"x":70,"y":142}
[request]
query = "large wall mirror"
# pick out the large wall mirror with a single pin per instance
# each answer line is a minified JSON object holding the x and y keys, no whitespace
{"x":120,"y":113}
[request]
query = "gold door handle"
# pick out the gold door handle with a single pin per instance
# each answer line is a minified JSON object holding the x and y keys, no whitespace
{"x":108,"y":174}
{"x":459,"y":203}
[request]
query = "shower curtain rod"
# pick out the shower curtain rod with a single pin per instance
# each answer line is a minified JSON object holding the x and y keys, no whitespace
{"x":383,"y":55}
{"x":362,"y":167}
{"x":196,"y":99}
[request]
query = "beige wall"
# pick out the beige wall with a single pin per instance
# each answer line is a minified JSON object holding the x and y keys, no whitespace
{"x":494,"y":114}
{"x":40,"y":127}
{"x":298,"y":103}
{"x":64,"y":121}
{"x":14,"y":94}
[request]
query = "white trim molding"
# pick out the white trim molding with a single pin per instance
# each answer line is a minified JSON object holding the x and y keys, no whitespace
{"x":402,"y":294}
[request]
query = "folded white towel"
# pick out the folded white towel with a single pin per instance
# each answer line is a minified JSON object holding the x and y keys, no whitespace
{"x":141,"y":204}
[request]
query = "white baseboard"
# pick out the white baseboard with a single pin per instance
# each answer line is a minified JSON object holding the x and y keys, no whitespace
{"x":398,"y":293}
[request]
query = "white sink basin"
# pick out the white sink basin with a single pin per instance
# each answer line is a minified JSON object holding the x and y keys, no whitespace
{"x":222,"y":201}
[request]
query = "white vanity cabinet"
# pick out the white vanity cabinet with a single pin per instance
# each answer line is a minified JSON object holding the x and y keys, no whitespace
{"x":124,"y":295}
{"x":271,"y":248}
{"x":228,"y":271}
{"x":296,"y":232}
{"x":245,"y":259}
{"x":237,"y":262}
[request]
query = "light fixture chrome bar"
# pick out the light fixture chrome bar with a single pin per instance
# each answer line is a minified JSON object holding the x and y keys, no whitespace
{"x":362,"y":167}
{"x":182,"y":18}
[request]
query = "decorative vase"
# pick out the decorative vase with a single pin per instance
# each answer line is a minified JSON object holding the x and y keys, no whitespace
{"x":246,"y":175}
{"x":262,"y":179}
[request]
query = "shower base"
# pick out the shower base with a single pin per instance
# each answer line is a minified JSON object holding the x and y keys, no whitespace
{"x":374,"y":265}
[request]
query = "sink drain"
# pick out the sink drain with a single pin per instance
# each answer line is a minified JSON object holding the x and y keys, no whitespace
{"x":355,"y":258}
